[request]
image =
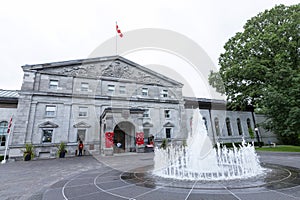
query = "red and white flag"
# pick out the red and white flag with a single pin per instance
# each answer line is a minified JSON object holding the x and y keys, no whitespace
{"x":118,"y":30}
{"x":9,"y":125}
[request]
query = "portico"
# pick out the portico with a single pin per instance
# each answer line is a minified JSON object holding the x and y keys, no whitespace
{"x":123,"y":126}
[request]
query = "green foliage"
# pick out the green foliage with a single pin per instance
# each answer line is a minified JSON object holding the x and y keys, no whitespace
{"x":260,"y":67}
{"x":164,"y":143}
{"x":184,"y":144}
{"x":281,"y":148}
{"x":29,"y":150}
{"x":251,"y":133}
{"x":61,"y":148}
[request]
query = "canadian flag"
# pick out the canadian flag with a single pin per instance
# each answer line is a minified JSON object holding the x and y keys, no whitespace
{"x":9,"y":125}
{"x":118,"y":30}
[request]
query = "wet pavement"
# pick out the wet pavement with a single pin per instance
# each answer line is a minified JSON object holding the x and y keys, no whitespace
{"x":126,"y":176}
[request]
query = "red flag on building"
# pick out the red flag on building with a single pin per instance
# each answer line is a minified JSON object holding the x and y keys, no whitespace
{"x":118,"y":30}
{"x":140,"y":138}
{"x":109,"y":139}
{"x":9,"y":125}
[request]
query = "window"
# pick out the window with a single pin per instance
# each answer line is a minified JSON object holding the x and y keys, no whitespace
{"x":168,"y":132}
{"x":144,"y":91}
{"x":146,"y":113}
{"x":111,"y":88}
{"x":217,"y":126}
{"x":53,"y":84}
{"x":50,"y":111}
{"x":3,"y":132}
{"x":228,"y":126}
{"x":2,"y":140}
{"x":83,"y":111}
{"x":238,"y":121}
{"x":47,"y":136}
{"x":248,"y":123}
{"x":3,"y":127}
{"x":167,"y":114}
{"x":81,"y":135}
{"x":122,"y":89}
{"x":164,"y":93}
{"x":84,"y":87}
{"x":205,"y":122}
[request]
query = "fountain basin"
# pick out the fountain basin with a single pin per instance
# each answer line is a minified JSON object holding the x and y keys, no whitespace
{"x":275,"y":177}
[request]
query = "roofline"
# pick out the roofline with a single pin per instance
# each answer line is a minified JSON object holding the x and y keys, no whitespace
{"x":97,"y":59}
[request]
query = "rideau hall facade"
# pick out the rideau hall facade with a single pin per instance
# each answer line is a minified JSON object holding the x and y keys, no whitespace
{"x":109,"y":100}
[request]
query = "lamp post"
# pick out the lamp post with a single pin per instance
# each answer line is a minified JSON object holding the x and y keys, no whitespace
{"x":257,"y":136}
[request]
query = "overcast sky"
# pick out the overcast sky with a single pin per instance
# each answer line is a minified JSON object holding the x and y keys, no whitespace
{"x":35,"y":32}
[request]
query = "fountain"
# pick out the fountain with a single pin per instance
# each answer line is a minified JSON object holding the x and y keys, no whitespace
{"x":200,"y":161}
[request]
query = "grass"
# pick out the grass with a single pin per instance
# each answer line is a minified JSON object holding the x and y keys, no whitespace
{"x":280,"y":148}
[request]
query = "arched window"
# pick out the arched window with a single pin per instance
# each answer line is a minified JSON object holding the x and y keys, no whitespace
{"x":217,"y":126}
{"x":3,"y":132}
{"x":238,"y":121}
{"x":248,"y":123}
{"x":205,"y":122}
{"x":228,"y":126}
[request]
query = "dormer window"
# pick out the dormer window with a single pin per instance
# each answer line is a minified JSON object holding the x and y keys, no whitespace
{"x":53,"y":84}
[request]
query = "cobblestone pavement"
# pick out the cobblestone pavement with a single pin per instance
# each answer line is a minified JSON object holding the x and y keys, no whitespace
{"x":98,"y":177}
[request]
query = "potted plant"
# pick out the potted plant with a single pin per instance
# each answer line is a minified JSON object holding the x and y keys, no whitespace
{"x":62,"y":150}
{"x":28,"y":153}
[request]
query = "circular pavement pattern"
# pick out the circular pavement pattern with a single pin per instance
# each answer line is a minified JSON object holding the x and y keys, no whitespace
{"x":108,"y":183}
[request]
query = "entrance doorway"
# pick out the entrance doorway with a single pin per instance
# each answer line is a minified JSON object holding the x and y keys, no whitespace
{"x":124,"y":137}
{"x":119,"y":140}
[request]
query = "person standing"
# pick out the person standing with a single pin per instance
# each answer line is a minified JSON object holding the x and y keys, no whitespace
{"x":80,"y":148}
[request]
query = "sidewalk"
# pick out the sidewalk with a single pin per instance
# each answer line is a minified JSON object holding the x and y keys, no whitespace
{"x":21,"y":180}
{"x":29,"y":180}
{"x":126,"y":161}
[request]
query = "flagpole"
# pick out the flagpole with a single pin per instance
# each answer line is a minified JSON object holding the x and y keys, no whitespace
{"x":116,"y":39}
{"x":7,"y":141}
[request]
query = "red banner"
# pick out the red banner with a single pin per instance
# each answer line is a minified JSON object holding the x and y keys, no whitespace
{"x":109,"y":139}
{"x":140,"y":138}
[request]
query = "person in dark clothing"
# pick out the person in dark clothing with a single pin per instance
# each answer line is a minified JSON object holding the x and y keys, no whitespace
{"x":80,"y":148}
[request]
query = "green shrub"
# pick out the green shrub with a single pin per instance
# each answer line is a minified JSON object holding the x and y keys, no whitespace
{"x":61,"y":150}
{"x":251,"y":133}
{"x":184,"y":144}
{"x":29,"y":150}
{"x":164,"y":143}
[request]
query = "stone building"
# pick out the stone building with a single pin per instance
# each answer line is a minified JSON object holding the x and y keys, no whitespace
{"x":8,"y":108}
{"x":88,"y":99}
{"x":109,"y":100}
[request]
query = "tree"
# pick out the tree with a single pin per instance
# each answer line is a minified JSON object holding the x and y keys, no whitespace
{"x":260,"y":67}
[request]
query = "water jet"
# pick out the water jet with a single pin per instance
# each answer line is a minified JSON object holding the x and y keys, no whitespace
{"x":199,"y":160}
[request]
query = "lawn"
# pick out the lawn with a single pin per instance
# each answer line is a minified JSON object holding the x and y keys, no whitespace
{"x":280,"y":148}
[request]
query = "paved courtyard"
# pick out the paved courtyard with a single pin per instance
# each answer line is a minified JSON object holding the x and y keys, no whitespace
{"x":118,"y":177}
